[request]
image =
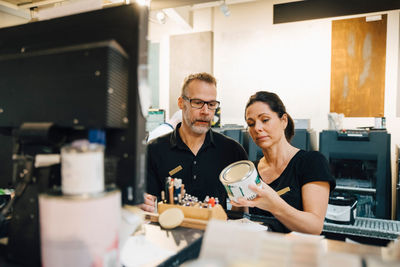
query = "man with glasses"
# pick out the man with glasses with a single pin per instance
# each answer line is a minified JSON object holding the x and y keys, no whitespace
{"x":192,"y":152}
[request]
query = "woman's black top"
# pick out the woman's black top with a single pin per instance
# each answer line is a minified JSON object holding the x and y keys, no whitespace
{"x":303,"y":168}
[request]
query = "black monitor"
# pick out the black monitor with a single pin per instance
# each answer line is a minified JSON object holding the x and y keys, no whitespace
{"x":80,"y":72}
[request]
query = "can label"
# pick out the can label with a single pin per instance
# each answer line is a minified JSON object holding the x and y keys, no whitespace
{"x":241,"y":189}
{"x":237,"y":177}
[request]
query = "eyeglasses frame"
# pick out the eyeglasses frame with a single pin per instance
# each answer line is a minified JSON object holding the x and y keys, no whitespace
{"x":204,"y":102}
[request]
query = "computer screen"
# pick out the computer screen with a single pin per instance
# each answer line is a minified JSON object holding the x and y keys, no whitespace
{"x":155,"y":118}
{"x":80,"y":72}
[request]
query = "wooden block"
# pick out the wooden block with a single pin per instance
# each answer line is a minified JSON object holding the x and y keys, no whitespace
{"x":195,"y":217}
{"x":216,"y":212}
{"x":187,"y":222}
{"x":194,"y":223}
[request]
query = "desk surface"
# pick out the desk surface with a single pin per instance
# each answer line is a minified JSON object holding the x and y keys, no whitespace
{"x":166,"y":246}
{"x":344,"y":247}
{"x":177,"y":241}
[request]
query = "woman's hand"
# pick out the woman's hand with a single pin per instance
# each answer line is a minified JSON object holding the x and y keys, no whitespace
{"x":315,"y":201}
{"x":266,"y":198}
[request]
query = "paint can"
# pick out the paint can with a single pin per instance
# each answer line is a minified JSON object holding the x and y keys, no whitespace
{"x":237,"y":177}
{"x":80,"y":230}
{"x":82,"y":169}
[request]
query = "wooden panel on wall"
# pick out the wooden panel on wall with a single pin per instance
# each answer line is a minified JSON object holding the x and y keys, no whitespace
{"x":358,"y":67}
{"x":189,"y":53}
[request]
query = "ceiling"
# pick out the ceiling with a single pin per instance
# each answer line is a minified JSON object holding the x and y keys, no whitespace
{"x":161,"y":4}
{"x":26,"y":8}
{"x":26,"y":4}
{"x":155,"y":4}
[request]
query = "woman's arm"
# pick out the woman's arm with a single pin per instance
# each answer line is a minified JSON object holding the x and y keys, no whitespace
{"x":315,"y":202}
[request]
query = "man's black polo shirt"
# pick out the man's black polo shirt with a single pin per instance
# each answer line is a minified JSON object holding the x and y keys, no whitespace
{"x":199,"y":173}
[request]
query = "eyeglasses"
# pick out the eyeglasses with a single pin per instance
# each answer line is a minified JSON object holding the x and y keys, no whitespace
{"x":198,"y":103}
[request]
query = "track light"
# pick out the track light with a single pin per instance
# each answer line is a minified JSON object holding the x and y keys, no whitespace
{"x":225,"y":9}
{"x":161,"y":17}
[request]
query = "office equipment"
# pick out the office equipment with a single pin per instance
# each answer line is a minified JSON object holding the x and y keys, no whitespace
{"x":361,"y":166}
{"x":365,"y":230}
{"x":6,"y":161}
{"x":302,"y":139}
{"x":166,"y":127}
{"x":341,"y":209}
{"x":355,"y":135}
{"x":61,"y":78}
{"x":233,"y":131}
{"x":302,"y":124}
{"x":73,"y":68}
{"x":155,"y":118}
{"x":253,"y":151}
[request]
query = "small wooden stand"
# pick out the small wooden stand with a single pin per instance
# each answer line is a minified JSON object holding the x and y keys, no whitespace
{"x":195,"y":217}
{"x":216,"y":212}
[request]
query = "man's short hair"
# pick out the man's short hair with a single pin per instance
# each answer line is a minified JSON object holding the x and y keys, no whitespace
{"x":202,"y":76}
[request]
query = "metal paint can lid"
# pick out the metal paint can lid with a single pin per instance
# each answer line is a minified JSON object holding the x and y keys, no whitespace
{"x":237,"y":171}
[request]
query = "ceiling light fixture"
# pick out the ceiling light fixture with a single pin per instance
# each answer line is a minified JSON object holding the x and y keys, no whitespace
{"x":373,"y":18}
{"x":225,"y":9}
{"x":161,"y":17}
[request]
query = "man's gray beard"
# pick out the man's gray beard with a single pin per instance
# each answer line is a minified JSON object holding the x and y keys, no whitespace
{"x":199,"y":129}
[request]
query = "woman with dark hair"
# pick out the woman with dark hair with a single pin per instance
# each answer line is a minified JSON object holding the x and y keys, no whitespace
{"x":296,"y":183}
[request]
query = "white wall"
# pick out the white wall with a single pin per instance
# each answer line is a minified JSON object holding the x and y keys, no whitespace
{"x":291,"y":59}
{"x":7,"y":20}
{"x":160,"y":33}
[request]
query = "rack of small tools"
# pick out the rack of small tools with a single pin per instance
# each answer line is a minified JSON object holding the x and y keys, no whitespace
{"x":194,"y":213}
